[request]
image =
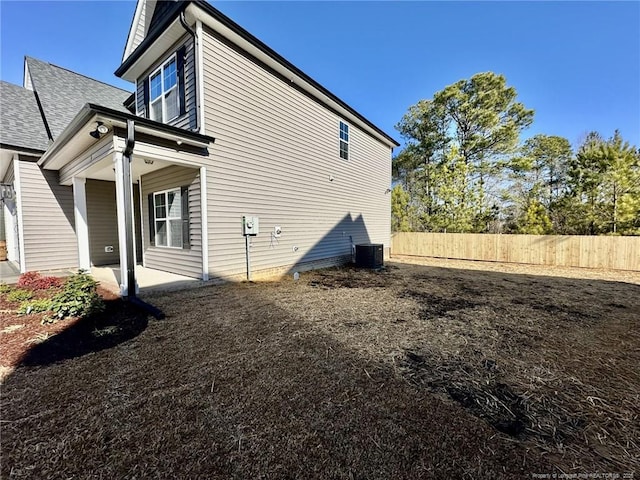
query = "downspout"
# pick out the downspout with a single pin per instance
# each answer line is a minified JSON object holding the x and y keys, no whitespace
{"x":189,"y":30}
{"x":128,"y":210}
{"x":128,"y":220}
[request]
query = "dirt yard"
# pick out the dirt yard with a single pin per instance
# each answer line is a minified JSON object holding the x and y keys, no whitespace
{"x":444,"y":370}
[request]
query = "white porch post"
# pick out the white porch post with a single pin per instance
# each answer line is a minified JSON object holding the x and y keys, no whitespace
{"x":82,"y":226}
{"x":22,"y":258}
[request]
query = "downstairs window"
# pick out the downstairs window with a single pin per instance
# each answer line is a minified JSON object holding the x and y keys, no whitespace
{"x":169,"y":218}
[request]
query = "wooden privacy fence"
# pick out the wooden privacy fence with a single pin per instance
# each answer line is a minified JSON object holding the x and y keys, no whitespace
{"x":620,"y":253}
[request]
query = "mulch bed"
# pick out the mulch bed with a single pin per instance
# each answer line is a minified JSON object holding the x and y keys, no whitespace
{"x":411,"y":372}
{"x":26,"y":340}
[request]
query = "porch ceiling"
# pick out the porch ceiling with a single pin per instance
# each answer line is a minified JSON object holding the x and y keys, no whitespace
{"x":104,"y":169}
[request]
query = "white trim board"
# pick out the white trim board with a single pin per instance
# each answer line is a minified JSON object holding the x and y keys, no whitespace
{"x":17,"y":187}
{"x":204,"y":216}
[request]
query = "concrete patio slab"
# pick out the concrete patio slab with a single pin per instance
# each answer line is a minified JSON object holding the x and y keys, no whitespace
{"x":9,"y":273}
{"x":149,"y":280}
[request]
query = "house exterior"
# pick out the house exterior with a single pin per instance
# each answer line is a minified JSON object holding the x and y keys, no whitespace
{"x":219,"y":126}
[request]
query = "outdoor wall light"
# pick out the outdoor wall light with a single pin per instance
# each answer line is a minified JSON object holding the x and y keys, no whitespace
{"x":6,"y":191}
{"x":100,"y":130}
{"x":148,"y":162}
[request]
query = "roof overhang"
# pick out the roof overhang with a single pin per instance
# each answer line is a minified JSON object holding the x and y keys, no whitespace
{"x":170,"y":31}
{"x":155,"y":42}
{"x":7,"y":152}
{"x":150,"y":50}
{"x":136,"y":21}
{"x":6,"y":155}
{"x":76,"y":138}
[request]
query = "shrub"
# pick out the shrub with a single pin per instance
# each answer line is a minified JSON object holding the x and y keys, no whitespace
{"x":4,"y":288}
{"x":19,"y":295}
{"x":78,"y":298}
{"x":35,"y":281}
{"x":35,"y":306}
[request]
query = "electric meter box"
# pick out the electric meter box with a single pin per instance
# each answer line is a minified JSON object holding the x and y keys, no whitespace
{"x":250,"y":225}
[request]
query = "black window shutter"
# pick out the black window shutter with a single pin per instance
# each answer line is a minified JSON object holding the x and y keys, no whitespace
{"x":184,"y":200}
{"x":145,"y":93}
{"x":181,"y":80}
{"x":152,"y":223}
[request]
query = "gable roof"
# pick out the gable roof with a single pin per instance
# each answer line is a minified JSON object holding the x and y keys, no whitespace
{"x":137,"y":28}
{"x":245,"y":41}
{"x":148,"y":14}
{"x":62,"y":93}
{"x":21,"y":125}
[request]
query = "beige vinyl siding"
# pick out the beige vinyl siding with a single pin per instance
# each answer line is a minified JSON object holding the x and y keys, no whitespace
{"x":181,"y":261}
{"x":137,"y":220}
{"x":275,"y":154}
{"x":189,"y":119}
{"x":138,"y":35}
{"x":103,"y":222}
{"x":48,"y":219}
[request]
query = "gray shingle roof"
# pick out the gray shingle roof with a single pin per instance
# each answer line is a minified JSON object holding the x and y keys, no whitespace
{"x":21,"y":124}
{"x":63,"y":93}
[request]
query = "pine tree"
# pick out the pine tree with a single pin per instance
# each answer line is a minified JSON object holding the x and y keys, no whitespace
{"x":457,"y":142}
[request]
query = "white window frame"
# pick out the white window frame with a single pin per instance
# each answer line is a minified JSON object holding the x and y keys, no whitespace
{"x":167,"y":218}
{"x":163,"y":96}
{"x":344,"y":154}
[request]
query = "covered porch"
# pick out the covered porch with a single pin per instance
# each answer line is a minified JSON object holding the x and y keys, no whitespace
{"x":139,"y":196}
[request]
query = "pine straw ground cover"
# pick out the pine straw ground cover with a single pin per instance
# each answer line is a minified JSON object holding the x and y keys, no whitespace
{"x":412,"y":372}
{"x":35,"y":338}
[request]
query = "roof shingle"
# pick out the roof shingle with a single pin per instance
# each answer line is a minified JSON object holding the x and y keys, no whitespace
{"x":21,"y":124}
{"x":63,"y":93}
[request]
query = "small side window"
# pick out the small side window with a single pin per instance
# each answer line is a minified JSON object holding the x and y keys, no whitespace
{"x":344,"y":141}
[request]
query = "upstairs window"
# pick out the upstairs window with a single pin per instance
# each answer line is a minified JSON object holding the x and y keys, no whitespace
{"x":164,"y":100}
{"x":344,"y":141}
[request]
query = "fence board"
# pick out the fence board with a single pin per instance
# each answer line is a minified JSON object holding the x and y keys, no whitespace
{"x":619,"y":253}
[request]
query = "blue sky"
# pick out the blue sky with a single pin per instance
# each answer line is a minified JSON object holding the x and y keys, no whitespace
{"x":577,"y":64}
